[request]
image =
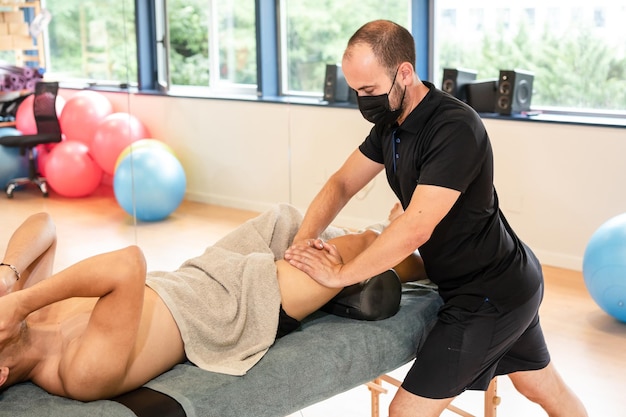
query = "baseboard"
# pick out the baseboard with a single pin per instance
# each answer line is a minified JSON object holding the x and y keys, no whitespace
{"x":559,"y":260}
{"x":347,"y":221}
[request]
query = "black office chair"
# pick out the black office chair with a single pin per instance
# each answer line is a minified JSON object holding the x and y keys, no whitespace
{"x":48,"y":131}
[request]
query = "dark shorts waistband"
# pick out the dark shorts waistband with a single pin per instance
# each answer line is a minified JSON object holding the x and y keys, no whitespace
{"x":286,"y":324}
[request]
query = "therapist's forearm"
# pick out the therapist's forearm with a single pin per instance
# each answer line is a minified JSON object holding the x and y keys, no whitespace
{"x":322,"y":211}
{"x":391,"y":247}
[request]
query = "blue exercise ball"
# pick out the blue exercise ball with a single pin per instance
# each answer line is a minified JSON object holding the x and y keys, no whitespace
{"x":150,"y":183}
{"x":604,"y":267}
{"x":12,"y":164}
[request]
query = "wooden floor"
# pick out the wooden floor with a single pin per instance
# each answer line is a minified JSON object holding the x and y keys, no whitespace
{"x":588,"y":347}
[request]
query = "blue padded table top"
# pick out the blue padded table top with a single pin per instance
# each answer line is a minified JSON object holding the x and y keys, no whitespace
{"x":330,"y":355}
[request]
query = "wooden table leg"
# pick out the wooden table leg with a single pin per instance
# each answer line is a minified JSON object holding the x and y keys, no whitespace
{"x":491,"y":398}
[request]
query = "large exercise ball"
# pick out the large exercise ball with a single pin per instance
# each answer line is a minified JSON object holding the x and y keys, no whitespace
{"x":113,"y":134}
{"x":604,"y":267}
{"x":71,"y":170}
{"x":150,"y":183}
{"x":82,"y":113}
{"x":43,"y":151}
{"x":140,"y":144}
{"x":12,"y":164}
{"x":25,"y":118}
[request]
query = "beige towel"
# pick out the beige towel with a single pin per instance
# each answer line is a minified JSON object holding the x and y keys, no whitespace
{"x":226,"y":301}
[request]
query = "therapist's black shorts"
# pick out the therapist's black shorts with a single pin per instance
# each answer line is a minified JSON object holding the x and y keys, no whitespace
{"x":466,"y":348}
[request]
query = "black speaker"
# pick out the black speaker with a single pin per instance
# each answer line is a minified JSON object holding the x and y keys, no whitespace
{"x":481,"y":95}
{"x":455,"y":81}
{"x":335,"y":86}
{"x":515,"y":90}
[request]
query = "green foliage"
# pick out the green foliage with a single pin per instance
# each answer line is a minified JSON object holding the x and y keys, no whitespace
{"x":318,"y":30}
{"x":189,"y":42}
{"x":189,"y":27}
{"x":191,"y":70}
{"x":577,"y":69}
{"x":93,"y":39}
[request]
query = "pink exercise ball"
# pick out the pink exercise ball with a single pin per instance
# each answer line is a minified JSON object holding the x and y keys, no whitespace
{"x":43,"y":151}
{"x":113,"y":134}
{"x":71,"y":171}
{"x":42,"y":157}
{"x":82,"y":113}
{"x":25,"y":119}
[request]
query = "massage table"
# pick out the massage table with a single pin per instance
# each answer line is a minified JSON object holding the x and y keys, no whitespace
{"x":328,"y":356}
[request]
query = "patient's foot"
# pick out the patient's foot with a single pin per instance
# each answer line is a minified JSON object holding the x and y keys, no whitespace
{"x":395,"y":212}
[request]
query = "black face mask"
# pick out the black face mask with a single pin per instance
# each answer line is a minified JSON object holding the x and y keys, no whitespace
{"x":376,"y":109}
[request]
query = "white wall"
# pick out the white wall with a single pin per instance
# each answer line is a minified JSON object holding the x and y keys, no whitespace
{"x":557,"y":183}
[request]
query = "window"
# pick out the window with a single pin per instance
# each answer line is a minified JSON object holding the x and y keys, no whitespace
{"x":314,"y":33}
{"x":211,"y":44}
{"x":576,"y":50}
{"x":91,"y":41}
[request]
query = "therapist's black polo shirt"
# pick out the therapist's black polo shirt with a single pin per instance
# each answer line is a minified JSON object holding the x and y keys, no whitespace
{"x":472,"y":254}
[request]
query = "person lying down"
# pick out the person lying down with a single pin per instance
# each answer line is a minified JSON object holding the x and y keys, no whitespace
{"x":104,"y":326}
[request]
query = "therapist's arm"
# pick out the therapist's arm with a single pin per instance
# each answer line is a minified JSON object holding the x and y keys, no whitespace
{"x":356,"y":172}
{"x":400,"y":239}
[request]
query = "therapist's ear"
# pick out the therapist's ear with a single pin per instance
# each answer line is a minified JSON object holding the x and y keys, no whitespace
{"x":406,"y":74}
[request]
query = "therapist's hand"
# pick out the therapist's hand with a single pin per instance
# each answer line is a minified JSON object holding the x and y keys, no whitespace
{"x":316,"y":243}
{"x":318,"y":259}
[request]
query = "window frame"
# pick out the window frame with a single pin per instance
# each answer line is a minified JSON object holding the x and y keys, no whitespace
{"x":269,"y":64}
{"x":159,"y":44}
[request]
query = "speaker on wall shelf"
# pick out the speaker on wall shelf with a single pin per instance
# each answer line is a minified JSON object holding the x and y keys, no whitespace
{"x":455,"y":81}
{"x":335,"y":86}
{"x":515,"y":89}
{"x":481,"y":95}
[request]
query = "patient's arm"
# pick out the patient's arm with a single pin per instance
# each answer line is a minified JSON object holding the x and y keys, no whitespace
{"x":95,"y":364}
{"x":31,"y":251}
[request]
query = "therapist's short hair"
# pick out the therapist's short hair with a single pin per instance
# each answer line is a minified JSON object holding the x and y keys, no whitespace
{"x":391,"y":43}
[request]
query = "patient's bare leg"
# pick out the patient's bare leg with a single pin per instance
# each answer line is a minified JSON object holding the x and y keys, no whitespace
{"x":300,"y":294}
{"x":411,"y":269}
